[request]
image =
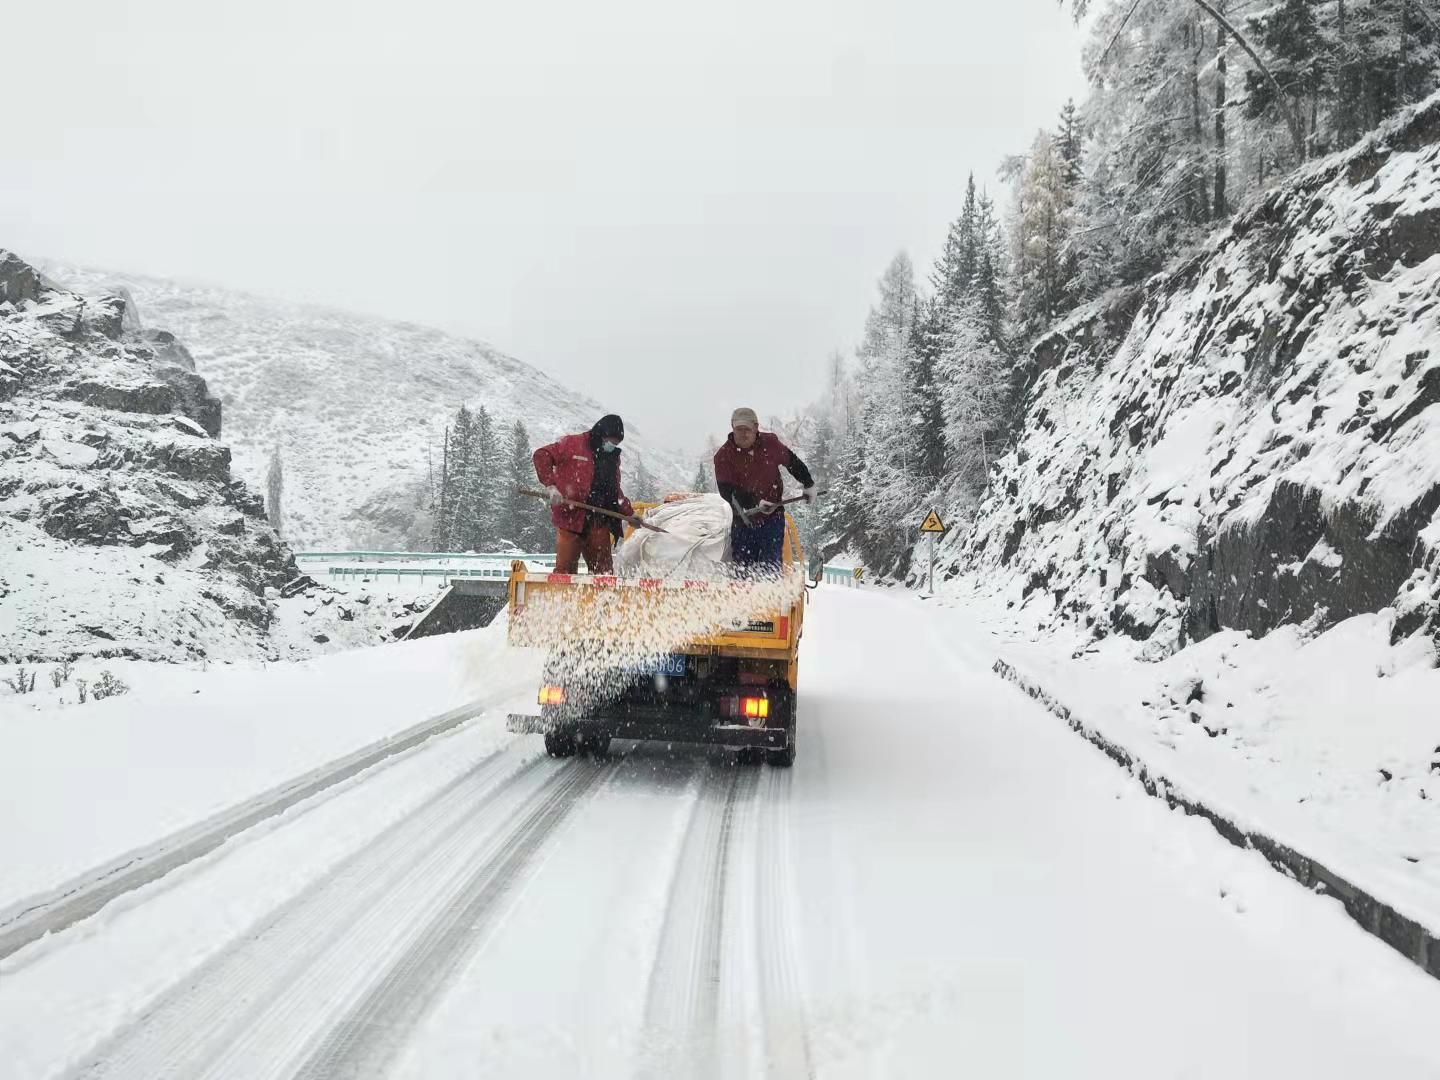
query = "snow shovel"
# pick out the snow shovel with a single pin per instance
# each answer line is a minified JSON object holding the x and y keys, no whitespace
{"x":801,"y":498}
{"x":636,"y":520}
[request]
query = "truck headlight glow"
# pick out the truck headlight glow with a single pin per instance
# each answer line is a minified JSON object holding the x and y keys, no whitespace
{"x":552,"y":695}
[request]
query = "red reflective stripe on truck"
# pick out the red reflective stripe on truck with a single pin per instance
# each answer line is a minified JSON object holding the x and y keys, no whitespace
{"x":606,"y":580}
{"x":783,"y":626}
{"x":559,"y":579}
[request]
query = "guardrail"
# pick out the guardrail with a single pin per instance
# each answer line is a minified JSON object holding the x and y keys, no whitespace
{"x":843,"y":575}
{"x":832,"y":575}
{"x":421,"y":572}
{"x":545,"y":557}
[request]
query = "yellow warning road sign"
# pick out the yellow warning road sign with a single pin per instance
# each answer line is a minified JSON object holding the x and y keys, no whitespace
{"x":858,"y":573}
{"x":932,"y":523}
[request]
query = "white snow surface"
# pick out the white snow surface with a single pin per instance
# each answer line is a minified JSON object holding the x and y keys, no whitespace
{"x":947,"y":882}
{"x":352,"y":401}
{"x":84,"y":783}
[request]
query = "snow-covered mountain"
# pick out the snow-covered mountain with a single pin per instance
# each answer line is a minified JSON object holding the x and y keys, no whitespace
{"x":353,"y":402}
{"x":1252,"y":439}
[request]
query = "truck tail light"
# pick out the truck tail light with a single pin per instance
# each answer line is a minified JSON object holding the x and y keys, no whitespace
{"x":754,"y":708}
{"x":552,"y":695}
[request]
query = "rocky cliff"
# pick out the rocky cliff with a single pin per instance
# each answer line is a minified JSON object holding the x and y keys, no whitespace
{"x":1252,"y":439}
{"x":122,"y":531}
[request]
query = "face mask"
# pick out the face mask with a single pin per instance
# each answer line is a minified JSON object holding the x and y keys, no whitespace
{"x":609,"y":447}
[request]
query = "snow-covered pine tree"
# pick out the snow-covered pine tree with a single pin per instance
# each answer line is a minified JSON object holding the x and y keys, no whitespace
{"x":844,"y":517}
{"x":521,"y":520}
{"x":1041,"y":223}
{"x":442,"y":501}
{"x":1069,"y":143}
{"x":275,"y":490}
{"x":488,"y":471}
{"x":644,"y":487}
{"x":975,"y":384}
{"x":955,"y":269}
{"x":464,"y":502}
{"x":928,"y":432}
{"x":888,"y":323}
{"x":1301,"y":64}
{"x":990,"y":273}
{"x":701,"y":482}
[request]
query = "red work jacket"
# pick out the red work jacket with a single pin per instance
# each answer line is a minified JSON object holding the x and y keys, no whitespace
{"x":569,"y":464}
{"x":755,"y":471}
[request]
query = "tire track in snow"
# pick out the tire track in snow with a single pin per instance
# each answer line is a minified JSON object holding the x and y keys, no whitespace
{"x":256,"y":1008}
{"x":777,"y":939}
{"x":725,"y":990}
{"x":32,"y":918}
{"x":682,"y":1008}
{"x":366,"y":1042}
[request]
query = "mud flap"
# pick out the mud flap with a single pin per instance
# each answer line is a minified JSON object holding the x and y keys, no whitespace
{"x":521,"y":724}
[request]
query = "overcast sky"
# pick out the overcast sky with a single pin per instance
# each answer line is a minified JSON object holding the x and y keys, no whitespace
{"x":674,"y":207}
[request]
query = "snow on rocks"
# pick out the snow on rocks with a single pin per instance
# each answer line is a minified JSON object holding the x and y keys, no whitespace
{"x":1252,"y":439}
{"x":122,"y":529}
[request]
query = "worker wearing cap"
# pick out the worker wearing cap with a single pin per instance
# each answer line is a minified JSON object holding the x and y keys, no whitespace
{"x":585,"y":468}
{"x":747,"y":474}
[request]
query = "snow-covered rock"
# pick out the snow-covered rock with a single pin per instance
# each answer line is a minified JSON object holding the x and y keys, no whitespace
{"x":122,"y":531}
{"x":1253,"y":439}
{"x":354,"y":403}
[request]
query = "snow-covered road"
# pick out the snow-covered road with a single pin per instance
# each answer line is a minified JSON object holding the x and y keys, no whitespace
{"x":947,"y":882}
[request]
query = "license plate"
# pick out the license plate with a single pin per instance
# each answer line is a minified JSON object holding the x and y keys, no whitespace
{"x":672,"y":666}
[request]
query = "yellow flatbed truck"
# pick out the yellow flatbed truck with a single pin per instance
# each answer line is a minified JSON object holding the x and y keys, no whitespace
{"x":734,"y":687}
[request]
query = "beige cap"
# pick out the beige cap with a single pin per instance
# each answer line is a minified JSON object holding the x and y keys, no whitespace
{"x":746,"y":417}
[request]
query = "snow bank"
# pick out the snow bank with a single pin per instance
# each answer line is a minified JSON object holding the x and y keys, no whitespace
{"x":82,"y":784}
{"x":1327,"y":742}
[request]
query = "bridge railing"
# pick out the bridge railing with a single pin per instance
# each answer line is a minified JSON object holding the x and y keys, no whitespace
{"x":546,"y":558}
{"x":379,"y":564}
{"x":440,"y":573}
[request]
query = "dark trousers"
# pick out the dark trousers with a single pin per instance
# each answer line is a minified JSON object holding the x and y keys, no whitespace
{"x":760,"y":544}
{"x":594,"y":543}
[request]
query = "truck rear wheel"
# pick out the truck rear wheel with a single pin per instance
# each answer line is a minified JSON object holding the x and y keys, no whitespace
{"x":782,"y":759}
{"x":785,"y":757}
{"x":597,"y":745}
{"x":560,"y":743}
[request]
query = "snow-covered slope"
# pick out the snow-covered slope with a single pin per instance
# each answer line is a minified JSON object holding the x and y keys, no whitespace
{"x":353,"y":402}
{"x":1249,"y":441}
{"x":123,"y":531}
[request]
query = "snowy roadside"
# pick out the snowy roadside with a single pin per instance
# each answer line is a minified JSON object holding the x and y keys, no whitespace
{"x":81,"y":785}
{"x":1326,"y":742}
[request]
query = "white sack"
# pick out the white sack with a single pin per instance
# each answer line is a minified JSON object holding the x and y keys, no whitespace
{"x":696,"y":540}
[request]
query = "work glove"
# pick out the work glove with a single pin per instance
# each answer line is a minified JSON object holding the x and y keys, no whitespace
{"x":556,"y":498}
{"x":765,"y":507}
{"x":812,"y":496}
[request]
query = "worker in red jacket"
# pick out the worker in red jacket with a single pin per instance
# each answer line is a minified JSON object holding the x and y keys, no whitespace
{"x":585,"y":468}
{"x":747,"y":474}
